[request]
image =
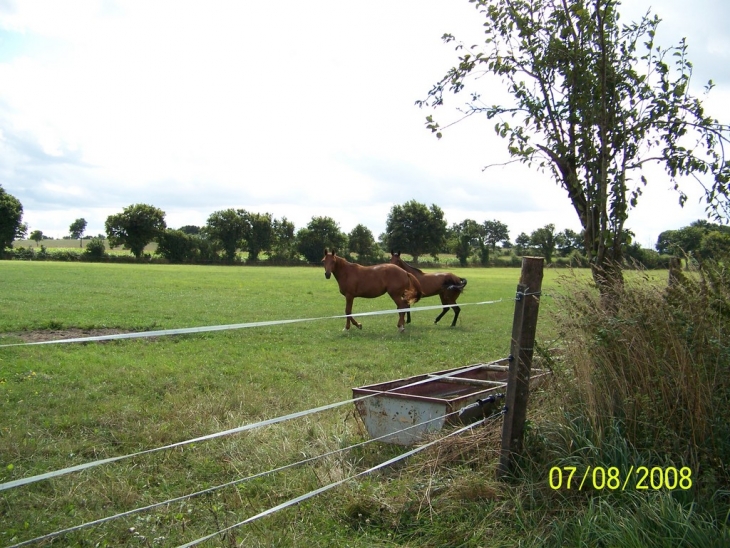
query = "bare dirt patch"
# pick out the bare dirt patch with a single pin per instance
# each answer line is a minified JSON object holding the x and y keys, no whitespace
{"x":56,"y":334}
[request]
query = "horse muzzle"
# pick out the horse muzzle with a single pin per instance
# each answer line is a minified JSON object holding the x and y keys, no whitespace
{"x":327,"y":275}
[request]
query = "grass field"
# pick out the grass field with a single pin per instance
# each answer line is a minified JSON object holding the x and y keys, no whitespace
{"x":71,"y":403}
{"x":67,"y":404}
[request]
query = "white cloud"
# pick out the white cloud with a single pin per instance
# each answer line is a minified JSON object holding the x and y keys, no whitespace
{"x":294,"y":108}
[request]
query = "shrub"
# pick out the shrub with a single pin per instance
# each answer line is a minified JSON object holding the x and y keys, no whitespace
{"x":177,"y":247}
{"x":95,"y":250}
{"x":64,"y":255}
{"x":22,"y":253}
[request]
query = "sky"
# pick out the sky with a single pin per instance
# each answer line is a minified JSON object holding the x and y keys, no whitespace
{"x":298,"y":109}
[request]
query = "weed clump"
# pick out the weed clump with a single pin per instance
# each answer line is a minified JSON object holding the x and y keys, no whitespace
{"x":648,"y":382}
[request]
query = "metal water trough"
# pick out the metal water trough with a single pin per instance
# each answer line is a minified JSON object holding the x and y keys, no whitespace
{"x":424,"y":401}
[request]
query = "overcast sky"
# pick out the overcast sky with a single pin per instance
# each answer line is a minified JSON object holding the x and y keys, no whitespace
{"x":299,"y":109}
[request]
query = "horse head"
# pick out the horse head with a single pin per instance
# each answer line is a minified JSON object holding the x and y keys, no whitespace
{"x":329,"y":263}
{"x":395,"y":258}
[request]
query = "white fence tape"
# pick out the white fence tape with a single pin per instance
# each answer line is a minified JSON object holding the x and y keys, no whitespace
{"x":188,"y":330}
{"x":243,"y":428}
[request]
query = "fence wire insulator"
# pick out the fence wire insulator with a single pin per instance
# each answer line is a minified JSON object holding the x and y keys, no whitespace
{"x":525,"y":293}
{"x":480,"y":403}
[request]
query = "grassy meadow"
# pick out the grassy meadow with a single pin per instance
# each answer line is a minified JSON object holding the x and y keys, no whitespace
{"x":70,"y":403}
{"x":66,"y":404}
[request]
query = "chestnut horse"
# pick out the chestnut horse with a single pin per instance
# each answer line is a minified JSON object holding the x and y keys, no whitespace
{"x":370,"y":282}
{"x":444,"y":284}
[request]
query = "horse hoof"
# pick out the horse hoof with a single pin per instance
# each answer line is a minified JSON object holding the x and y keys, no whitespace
{"x":401,"y":329}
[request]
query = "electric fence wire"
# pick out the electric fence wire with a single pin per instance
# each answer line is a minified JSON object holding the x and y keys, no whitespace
{"x":320,"y":490}
{"x":243,"y":428}
{"x":40,"y":477}
{"x":204,"y":329}
{"x":182,"y":498}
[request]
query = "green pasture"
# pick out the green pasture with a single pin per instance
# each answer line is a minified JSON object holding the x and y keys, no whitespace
{"x":66,"y":404}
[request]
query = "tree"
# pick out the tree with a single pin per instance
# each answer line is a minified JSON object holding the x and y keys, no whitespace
{"x":415,"y":229}
{"x":11,"y":220}
{"x":320,"y":233}
{"x":36,"y":236}
{"x":360,"y":240}
{"x":544,"y":239}
{"x":496,"y":232}
{"x":688,"y":239}
{"x":284,"y":239}
{"x":522,"y":242}
{"x":228,"y":229}
{"x":135,"y":227}
{"x":465,"y":237}
{"x":592,"y":111}
{"x":258,"y":233}
{"x":567,"y":241}
{"x":192,"y":230}
{"x":177,"y":247}
{"x":665,"y":241}
{"x":714,"y":244}
{"x":77,"y":229}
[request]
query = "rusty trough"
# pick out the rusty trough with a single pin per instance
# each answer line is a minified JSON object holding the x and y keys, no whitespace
{"x":392,"y":406}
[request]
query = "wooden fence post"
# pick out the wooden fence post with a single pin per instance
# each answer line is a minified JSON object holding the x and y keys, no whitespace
{"x":521,"y":350}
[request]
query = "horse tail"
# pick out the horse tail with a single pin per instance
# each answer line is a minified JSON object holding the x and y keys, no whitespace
{"x":414,"y":293}
{"x":456,"y":284}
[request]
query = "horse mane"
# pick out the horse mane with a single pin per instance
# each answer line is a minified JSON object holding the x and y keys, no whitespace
{"x":407,"y":264}
{"x":414,"y":268}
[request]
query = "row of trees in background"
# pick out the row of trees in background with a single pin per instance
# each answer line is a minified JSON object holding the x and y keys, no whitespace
{"x":411,"y":228}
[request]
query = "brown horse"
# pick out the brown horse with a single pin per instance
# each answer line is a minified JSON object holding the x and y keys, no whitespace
{"x":444,"y":284}
{"x":370,"y":282}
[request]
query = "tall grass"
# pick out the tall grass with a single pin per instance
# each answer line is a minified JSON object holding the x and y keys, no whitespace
{"x":649,"y":384}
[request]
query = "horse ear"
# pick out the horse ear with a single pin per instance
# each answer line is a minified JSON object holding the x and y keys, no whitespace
{"x":325,"y":251}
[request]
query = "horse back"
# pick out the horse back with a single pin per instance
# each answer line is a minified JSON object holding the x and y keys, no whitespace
{"x":373,"y":281}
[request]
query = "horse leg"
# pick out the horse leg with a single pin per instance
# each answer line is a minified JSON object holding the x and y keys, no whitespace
{"x":408,"y":314}
{"x":401,"y":304}
{"x":452,"y":298}
{"x":348,"y":311}
{"x":444,"y":311}
{"x":456,"y":315}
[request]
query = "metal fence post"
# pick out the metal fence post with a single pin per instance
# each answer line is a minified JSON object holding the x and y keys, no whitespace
{"x":521,"y":349}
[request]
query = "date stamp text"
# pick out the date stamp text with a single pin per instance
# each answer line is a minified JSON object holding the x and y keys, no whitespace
{"x":640,"y":478}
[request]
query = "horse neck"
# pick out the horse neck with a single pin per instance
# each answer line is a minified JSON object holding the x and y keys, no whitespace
{"x":340,"y":268}
{"x":408,"y":268}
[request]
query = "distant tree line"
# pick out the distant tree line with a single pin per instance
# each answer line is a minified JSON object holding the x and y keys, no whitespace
{"x":412,"y":228}
{"x":701,"y":240}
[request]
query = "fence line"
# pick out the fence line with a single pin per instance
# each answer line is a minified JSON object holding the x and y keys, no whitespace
{"x":232,"y":483}
{"x":243,"y":428}
{"x":188,"y":330}
{"x":57,"y":473}
{"x":320,"y":490}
